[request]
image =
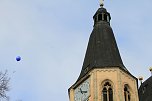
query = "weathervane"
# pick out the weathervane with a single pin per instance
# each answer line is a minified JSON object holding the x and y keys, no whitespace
{"x":101,"y":3}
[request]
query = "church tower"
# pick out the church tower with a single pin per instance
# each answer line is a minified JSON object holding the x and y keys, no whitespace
{"x":103,"y":76}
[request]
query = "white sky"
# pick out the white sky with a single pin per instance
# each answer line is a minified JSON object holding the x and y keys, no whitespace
{"x":51,"y":36}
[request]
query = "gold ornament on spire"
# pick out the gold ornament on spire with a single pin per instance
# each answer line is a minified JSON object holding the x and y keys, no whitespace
{"x":140,"y":79}
{"x":101,"y":3}
{"x":150,"y":69}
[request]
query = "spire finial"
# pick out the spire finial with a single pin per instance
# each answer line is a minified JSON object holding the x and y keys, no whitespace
{"x":101,"y":3}
{"x":140,"y":79}
{"x":150,"y":69}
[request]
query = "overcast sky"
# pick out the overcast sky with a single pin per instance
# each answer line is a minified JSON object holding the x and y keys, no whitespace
{"x":51,"y":36}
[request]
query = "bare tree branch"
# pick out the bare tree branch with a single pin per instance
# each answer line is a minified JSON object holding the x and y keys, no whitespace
{"x":4,"y":85}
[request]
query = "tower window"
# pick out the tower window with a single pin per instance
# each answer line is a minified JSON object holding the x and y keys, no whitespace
{"x":99,"y":17}
{"x":107,"y":92}
{"x":127,"y":93}
{"x":105,"y":17}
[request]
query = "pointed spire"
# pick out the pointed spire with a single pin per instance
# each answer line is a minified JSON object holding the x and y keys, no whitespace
{"x":102,"y":50}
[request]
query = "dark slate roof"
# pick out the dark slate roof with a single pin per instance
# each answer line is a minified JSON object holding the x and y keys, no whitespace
{"x":145,"y":90}
{"x":102,"y":50}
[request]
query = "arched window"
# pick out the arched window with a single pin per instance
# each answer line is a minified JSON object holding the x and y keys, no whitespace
{"x":107,"y":92}
{"x":105,"y":17}
{"x":127,"y":93}
{"x":99,"y":17}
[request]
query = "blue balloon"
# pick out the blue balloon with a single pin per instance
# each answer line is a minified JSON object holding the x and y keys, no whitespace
{"x":18,"y":58}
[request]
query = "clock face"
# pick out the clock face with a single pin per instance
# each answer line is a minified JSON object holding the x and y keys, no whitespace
{"x":82,"y":92}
